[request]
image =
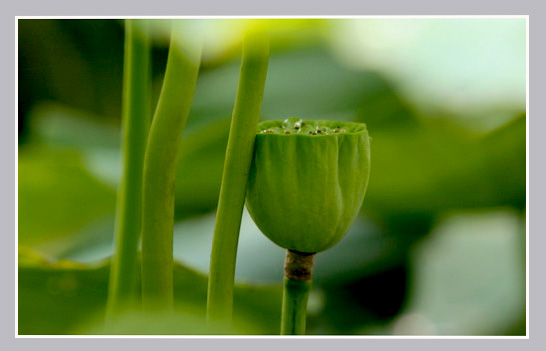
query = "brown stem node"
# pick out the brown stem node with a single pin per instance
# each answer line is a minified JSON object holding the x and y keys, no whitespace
{"x":299,"y":265}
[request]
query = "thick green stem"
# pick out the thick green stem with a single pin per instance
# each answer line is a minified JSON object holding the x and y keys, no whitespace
{"x":159,"y":174}
{"x":135,"y":122}
{"x":297,"y":285}
{"x":236,"y":167}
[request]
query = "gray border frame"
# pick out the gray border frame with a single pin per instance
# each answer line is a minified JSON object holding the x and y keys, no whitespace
{"x":280,"y":7}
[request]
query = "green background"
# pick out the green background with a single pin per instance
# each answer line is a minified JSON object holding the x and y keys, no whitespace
{"x":439,"y":246}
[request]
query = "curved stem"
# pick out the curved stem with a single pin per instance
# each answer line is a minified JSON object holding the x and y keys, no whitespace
{"x":135,"y":121}
{"x":159,"y":175}
{"x":296,"y":288}
{"x":237,"y":163}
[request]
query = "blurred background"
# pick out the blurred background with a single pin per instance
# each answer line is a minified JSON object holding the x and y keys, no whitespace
{"x":440,"y":245}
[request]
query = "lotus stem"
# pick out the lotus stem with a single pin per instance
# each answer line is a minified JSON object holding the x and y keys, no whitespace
{"x":159,"y":174}
{"x":298,"y":270}
{"x":234,"y":180}
{"x":136,"y":116}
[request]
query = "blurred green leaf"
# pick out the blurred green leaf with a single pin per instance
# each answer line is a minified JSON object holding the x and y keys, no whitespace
{"x":65,"y":297}
{"x":466,"y":278}
{"x":135,"y":322}
{"x":53,"y":298}
{"x":469,"y":278}
{"x":61,"y":126}
{"x":308,"y":83}
{"x":444,"y":64}
{"x":58,"y":199}
{"x":431,"y":169}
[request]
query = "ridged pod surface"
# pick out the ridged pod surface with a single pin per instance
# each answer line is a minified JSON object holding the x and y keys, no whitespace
{"x":307,"y":181}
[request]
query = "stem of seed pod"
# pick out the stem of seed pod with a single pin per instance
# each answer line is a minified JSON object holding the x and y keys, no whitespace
{"x":136,"y":122}
{"x":237,"y":164}
{"x":159,"y":174}
{"x":298,"y":270}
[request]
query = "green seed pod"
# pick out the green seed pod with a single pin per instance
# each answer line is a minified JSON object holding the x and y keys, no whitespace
{"x":306,"y":188}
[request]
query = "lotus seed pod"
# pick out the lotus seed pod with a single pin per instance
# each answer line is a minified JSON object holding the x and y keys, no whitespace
{"x":306,"y":187}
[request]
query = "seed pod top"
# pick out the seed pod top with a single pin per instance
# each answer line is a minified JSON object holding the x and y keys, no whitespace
{"x":307,"y":181}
